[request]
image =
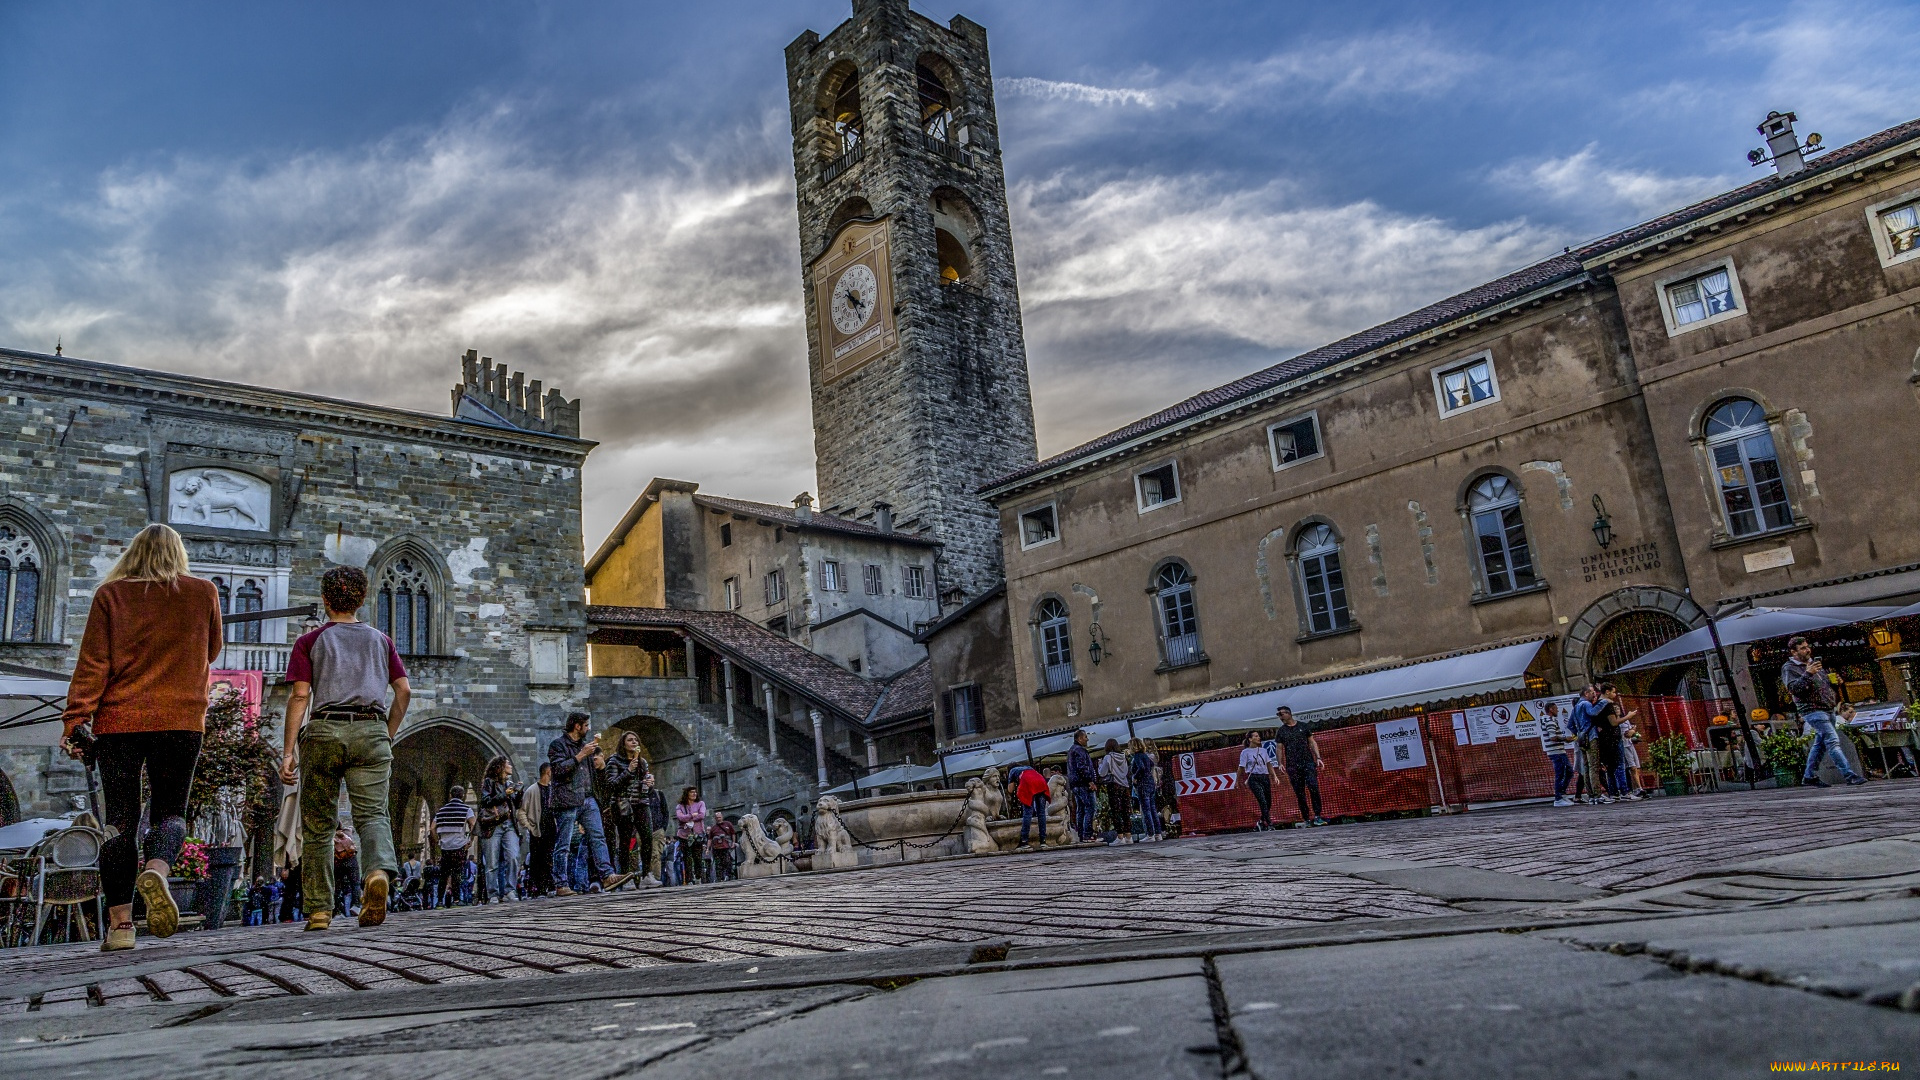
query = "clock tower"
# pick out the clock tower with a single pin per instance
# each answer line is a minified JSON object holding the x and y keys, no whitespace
{"x":915,"y":356}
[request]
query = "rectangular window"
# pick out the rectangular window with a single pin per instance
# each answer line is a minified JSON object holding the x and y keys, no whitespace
{"x":776,"y":587}
{"x":731,"y":587}
{"x":830,"y":577}
{"x":1466,"y":385}
{"x":778,"y":625}
{"x":726,"y":534}
{"x":1039,"y":526}
{"x":874,"y":580}
{"x":1505,"y":558}
{"x":963,"y":711}
{"x":1700,"y":298}
{"x":1896,"y":228}
{"x":1751,"y":487}
{"x":1157,"y":487}
{"x":1326,"y":589}
{"x":913,"y":581}
{"x":1295,"y":440}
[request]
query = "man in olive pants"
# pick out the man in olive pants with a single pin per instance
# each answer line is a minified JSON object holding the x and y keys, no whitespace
{"x":344,"y":670}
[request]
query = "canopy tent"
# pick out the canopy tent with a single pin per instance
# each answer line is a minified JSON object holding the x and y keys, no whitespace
{"x":1484,"y":672}
{"x":1165,"y":727}
{"x":890,"y":776}
{"x":981,"y":757}
{"x":1757,"y":624}
{"x":1902,"y":613}
{"x":44,"y":690}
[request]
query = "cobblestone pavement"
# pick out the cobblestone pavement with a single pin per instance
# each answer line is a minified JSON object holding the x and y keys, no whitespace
{"x":1204,"y":884}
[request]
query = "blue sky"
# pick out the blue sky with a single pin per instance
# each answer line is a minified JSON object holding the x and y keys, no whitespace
{"x":342,"y":198}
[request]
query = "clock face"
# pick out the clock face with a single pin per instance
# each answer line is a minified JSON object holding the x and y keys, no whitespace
{"x":855,"y":296}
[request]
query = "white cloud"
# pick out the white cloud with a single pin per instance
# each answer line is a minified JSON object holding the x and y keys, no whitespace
{"x":1079,"y":93}
{"x":1604,"y":193}
{"x":1833,"y":64}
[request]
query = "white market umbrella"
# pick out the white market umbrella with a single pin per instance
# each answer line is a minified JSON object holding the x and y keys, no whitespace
{"x":1756,"y":624}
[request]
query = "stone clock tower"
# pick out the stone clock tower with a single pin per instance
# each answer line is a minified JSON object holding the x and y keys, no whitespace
{"x":915,"y":355}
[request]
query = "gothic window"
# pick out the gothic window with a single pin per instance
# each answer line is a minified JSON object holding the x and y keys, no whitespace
{"x":1056,"y":644}
{"x":1746,"y":468}
{"x":1321,"y":581}
{"x":847,"y":127}
{"x":20,"y":567}
{"x":239,"y":595}
{"x":936,"y":103}
{"x":1179,"y":625}
{"x":403,"y":607}
{"x":1500,"y":534}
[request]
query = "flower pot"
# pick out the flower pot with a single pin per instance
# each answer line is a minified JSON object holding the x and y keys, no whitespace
{"x":186,"y":893}
{"x":1674,"y":785}
{"x":1785,"y":778}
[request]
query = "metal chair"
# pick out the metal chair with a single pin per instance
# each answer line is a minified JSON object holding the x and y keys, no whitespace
{"x":67,"y":875}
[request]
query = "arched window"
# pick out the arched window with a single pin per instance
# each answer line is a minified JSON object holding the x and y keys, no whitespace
{"x":1056,"y":644}
{"x":20,"y":567}
{"x":1752,"y":492}
{"x":845,"y":114}
{"x":936,"y":101}
{"x":238,"y":595}
{"x":403,"y":606}
{"x":1179,"y":625}
{"x":1321,"y":583}
{"x":956,"y":231}
{"x":1506,"y":562}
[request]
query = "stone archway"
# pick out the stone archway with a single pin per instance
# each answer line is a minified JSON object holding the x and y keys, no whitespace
{"x":1627,"y":619}
{"x":667,"y":751}
{"x":428,"y":759}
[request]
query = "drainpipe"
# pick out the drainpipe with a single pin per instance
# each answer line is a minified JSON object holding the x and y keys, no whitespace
{"x":819,"y":745}
{"x":773,"y":740}
{"x":726,"y":674}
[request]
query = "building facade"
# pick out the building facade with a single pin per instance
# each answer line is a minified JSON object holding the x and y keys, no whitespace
{"x":1706,"y":409}
{"x":468,"y":527}
{"x":916,"y":358}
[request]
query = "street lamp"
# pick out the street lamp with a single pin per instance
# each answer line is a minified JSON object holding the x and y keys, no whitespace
{"x":1094,"y":651}
{"x":1602,"y":524}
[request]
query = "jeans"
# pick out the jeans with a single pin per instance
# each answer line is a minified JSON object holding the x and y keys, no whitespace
{"x":453,"y":874}
{"x":500,"y":859}
{"x":360,"y":752}
{"x":588,"y":815}
{"x":1562,"y":774}
{"x":1826,"y":740}
{"x":346,"y":881}
{"x":1029,"y":813}
{"x":1262,"y":787}
{"x":1611,"y":772}
{"x":1119,"y":813}
{"x":627,"y":827}
{"x":169,"y":757}
{"x":1084,"y":805}
{"x":1149,"y":809}
{"x":1306,"y":782}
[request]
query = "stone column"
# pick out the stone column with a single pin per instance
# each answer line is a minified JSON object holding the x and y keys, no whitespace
{"x":693,"y":672}
{"x":819,"y":745}
{"x":726,"y":675}
{"x":773,"y":740}
{"x":873,"y":754}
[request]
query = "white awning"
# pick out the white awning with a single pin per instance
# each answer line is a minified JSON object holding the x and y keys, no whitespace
{"x":890,"y":776}
{"x":1451,"y":677}
{"x":30,"y":686}
{"x":979,"y":758}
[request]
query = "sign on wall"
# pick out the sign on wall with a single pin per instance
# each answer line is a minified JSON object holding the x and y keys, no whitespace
{"x":1400,"y":744}
{"x":1517,"y":720}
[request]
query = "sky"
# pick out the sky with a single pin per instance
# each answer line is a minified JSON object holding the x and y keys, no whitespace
{"x":342,"y":198}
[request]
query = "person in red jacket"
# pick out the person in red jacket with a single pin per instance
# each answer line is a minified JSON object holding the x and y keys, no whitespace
{"x":138,"y":698}
{"x":1030,"y":790}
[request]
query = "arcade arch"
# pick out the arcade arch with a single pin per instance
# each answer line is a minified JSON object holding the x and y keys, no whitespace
{"x":429,"y":758}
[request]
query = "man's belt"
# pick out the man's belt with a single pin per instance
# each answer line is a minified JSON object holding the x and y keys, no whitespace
{"x":355,"y":712}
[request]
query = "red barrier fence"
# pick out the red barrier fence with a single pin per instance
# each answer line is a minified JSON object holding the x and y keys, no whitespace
{"x":1448,"y":768}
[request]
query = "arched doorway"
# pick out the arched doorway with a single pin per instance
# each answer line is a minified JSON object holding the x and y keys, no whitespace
{"x":1626,"y":637}
{"x":669,"y":753}
{"x":428,"y":760}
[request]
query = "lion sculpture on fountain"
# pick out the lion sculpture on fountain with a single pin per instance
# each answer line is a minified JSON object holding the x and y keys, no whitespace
{"x":832,"y":843}
{"x":1059,"y":813}
{"x":760,"y":854}
{"x":976,"y":837}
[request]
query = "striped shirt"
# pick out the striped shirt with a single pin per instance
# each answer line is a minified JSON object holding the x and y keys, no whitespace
{"x":453,"y":825}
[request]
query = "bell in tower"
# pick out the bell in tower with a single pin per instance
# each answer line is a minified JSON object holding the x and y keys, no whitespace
{"x":916,"y":361}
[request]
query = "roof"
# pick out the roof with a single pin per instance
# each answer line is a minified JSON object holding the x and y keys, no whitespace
{"x":1557,"y":270}
{"x":811,"y":675}
{"x":908,"y":695}
{"x":814,"y":521}
{"x":961,"y":612}
{"x":1565,"y":268}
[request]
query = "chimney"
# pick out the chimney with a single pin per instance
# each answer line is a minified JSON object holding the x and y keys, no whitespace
{"x":1783,"y":145}
{"x":803,"y":507}
{"x":883,"y":516}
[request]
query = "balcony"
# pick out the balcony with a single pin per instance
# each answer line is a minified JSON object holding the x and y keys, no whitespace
{"x":841,"y":164}
{"x":270,"y":660}
{"x":953,"y":152}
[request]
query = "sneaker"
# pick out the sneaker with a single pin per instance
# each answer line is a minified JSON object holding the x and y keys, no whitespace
{"x":1856,"y":781}
{"x":373,"y":907}
{"x":118,"y":938}
{"x":1632,"y":796}
{"x":563,"y":891}
{"x":163,"y":917}
{"x":1321,"y":821}
{"x":1814,"y":781}
{"x":1563,"y":801}
{"x":1603,"y":800}
{"x":1024,"y":847}
{"x":650,"y":881}
{"x":320,"y":920}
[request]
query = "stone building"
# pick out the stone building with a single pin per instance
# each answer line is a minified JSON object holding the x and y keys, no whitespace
{"x":1709,"y":408}
{"x":468,"y":526}
{"x":916,"y":360}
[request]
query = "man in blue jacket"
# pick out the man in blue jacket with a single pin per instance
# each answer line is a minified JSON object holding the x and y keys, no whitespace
{"x":1080,"y":779}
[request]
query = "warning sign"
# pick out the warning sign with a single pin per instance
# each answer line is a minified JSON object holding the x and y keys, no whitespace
{"x":1186,"y":767}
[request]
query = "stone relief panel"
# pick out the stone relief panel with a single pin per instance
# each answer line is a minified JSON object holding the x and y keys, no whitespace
{"x":219,"y":499}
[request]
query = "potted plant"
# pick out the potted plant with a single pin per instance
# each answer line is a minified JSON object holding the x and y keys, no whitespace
{"x":1672,"y":760}
{"x":1787,"y":754}
{"x":188,"y":871}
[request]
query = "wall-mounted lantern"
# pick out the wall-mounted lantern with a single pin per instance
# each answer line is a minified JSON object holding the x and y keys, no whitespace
{"x":1602,"y":524}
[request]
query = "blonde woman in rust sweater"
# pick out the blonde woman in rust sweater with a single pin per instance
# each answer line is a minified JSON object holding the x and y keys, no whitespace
{"x":140,"y":689}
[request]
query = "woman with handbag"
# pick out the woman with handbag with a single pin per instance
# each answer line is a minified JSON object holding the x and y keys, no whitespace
{"x":627,"y":775}
{"x":138,"y":700}
{"x":499,"y":839}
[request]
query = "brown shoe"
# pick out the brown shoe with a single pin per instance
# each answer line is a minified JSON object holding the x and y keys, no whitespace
{"x":163,"y":917}
{"x":614,"y":881}
{"x":118,"y":938}
{"x":320,"y":920}
{"x":373,"y":900}
{"x":563,"y":891}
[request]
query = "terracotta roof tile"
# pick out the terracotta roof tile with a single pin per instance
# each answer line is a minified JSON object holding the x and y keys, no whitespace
{"x":788,"y":517}
{"x":908,"y":694}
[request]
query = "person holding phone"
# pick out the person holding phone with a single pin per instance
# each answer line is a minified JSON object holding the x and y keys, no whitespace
{"x":138,"y":701}
{"x":577,"y":760}
{"x":1813,"y":696}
